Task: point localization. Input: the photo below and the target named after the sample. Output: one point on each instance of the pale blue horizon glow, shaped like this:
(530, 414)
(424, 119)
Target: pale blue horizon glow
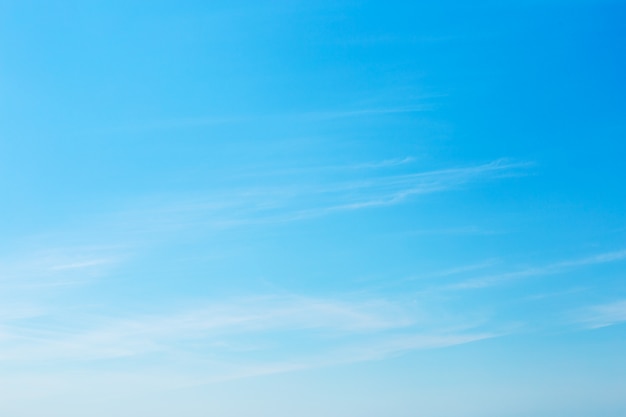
(346, 208)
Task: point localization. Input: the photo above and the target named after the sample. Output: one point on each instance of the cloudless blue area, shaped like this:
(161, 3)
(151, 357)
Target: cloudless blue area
(289, 208)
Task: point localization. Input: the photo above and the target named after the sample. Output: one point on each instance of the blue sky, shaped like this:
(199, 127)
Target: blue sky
(338, 208)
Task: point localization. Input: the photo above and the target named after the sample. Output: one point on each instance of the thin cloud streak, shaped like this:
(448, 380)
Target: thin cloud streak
(302, 201)
(55, 267)
(210, 340)
(603, 315)
(145, 225)
(550, 269)
(296, 198)
(365, 352)
(218, 322)
(338, 114)
(343, 168)
(305, 116)
(216, 329)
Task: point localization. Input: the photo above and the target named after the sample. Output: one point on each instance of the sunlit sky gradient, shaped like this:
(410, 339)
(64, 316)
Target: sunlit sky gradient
(321, 208)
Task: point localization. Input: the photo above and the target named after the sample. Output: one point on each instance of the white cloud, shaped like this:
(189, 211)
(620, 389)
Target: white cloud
(213, 323)
(313, 116)
(37, 268)
(549, 269)
(604, 315)
(300, 201)
(365, 329)
(243, 336)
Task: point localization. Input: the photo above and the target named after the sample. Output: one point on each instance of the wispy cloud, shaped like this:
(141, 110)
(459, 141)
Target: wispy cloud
(142, 334)
(258, 331)
(392, 39)
(291, 197)
(603, 315)
(54, 267)
(457, 231)
(227, 330)
(101, 244)
(338, 114)
(302, 116)
(363, 352)
(297, 201)
(331, 169)
(465, 268)
(548, 269)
